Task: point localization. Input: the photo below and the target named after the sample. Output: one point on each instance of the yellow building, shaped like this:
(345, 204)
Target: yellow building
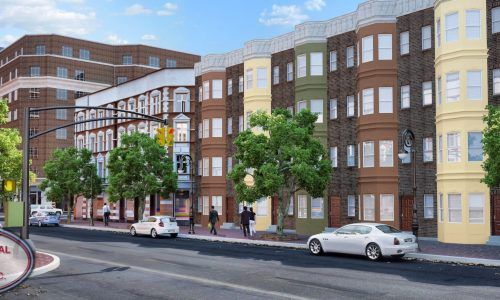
(462, 95)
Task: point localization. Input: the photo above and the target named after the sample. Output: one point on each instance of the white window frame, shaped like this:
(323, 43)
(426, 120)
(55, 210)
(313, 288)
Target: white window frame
(386, 207)
(367, 45)
(316, 63)
(385, 46)
(385, 100)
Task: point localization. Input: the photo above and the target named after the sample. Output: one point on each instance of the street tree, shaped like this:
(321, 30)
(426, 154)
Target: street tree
(491, 147)
(140, 167)
(282, 159)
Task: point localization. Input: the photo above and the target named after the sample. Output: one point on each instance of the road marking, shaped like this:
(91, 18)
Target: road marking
(184, 277)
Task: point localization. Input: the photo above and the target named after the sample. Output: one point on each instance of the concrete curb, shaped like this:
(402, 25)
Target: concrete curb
(50, 267)
(454, 259)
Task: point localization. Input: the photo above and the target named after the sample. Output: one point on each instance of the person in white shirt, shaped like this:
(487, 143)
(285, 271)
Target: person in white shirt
(106, 212)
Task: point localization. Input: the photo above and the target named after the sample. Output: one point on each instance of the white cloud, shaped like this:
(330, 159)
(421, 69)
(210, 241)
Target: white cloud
(149, 37)
(315, 5)
(44, 16)
(115, 40)
(287, 15)
(136, 9)
(7, 40)
(168, 9)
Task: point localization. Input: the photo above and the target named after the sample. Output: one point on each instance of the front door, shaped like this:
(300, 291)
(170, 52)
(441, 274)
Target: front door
(496, 214)
(406, 212)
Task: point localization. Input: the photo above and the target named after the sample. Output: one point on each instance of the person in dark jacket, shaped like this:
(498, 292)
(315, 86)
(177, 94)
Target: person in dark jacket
(245, 220)
(213, 218)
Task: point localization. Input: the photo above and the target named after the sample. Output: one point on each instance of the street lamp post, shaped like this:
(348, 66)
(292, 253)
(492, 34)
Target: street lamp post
(408, 141)
(191, 178)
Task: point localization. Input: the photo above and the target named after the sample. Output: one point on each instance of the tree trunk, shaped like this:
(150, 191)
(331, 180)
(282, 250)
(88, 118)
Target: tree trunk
(140, 209)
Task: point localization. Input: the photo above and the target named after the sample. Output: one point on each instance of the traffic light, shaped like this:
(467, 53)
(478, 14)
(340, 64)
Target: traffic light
(8, 186)
(160, 136)
(170, 136)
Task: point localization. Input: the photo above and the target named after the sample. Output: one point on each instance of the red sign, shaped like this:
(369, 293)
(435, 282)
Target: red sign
(16, 260)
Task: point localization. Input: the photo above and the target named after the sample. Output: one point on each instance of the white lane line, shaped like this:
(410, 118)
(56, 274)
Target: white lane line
(184, 277)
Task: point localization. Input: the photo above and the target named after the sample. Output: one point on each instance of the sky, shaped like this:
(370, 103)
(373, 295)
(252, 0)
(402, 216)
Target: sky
(194, 26)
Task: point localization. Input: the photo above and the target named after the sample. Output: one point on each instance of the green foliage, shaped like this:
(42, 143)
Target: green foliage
(282, 160)
(138, 168)
(491, 147)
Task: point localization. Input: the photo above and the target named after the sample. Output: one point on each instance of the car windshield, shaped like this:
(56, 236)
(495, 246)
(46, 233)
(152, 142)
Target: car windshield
(387, 229)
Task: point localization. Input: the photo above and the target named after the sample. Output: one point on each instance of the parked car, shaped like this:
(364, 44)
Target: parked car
(36, 208)
(156, 226)
(370, 239)
(44, 218)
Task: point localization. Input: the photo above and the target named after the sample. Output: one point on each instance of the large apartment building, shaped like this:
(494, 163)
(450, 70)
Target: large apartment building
(53, 70)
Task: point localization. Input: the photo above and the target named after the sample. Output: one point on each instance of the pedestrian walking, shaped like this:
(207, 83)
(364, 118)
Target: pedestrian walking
(213, 218)
(106, 212)
(252, 222)
(245, 220)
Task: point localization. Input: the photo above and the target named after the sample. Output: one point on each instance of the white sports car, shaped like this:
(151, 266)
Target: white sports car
(370, 239)
(156, 226)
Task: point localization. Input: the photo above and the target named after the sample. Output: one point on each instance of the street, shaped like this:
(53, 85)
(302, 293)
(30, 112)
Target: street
(117, 266)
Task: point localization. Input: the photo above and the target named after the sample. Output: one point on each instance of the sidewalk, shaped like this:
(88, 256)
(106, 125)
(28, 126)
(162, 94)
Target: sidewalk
(430, 250)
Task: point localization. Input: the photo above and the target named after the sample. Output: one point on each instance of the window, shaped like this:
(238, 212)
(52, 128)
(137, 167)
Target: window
(317, 208)
(367, 101)
(61, 134)
(154, 61)
(206, 90)
(262, 205)
(249, 79)
(121, 79)
(200, 130)
(333, 109)
(428, 206)
(405, 96)
(84, 54)
(386, 153)
(206, 166)
(67, 51)
(438, 32)
(217, 89)
(229, 125)
(333, 156)
(473, 24)
(428, 153)
(34, 93)
(127, 59)
(80, 75)
(475, 143)
(453, 144)
(40, 49)
(333, 61)
(455, 208)
(229, 164)
(229, 87)
(217, 127)
(216, 166)
(302, 206)
(385, 46)
(476, 208)
(301, 66)
(350, 106)
(276, 75)
(316, 64)
(452, 87)
(301, 105)
(317, 108)
(386, 207)
(350, 156)
(61, 114)
(350, 56)
(367, 44)
(240, 84)
(206, 128)
(61, 94)
(426, 38)
(240, 124)
(289, 71)
(439, 91)
(206, 205)
(62, 72)
(369, 207)
(261, 78)
(181, 134)
(404, 42)
(451, 27)
(171, 63)
(427, 93)
(474, 85)
(441, 209)
(440, 149)
(34, 71)
(368, 155)
(495, 19)
(351, 205)
(385, 100)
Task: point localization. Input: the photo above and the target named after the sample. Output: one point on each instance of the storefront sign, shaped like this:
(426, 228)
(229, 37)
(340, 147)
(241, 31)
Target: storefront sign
(16, 260)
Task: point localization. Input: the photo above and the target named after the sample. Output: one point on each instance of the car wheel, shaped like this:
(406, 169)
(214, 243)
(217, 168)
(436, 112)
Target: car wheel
(373, 251)
(132, 231)
(154, 234)
(39, 224)
(315, 247)
(174, 235)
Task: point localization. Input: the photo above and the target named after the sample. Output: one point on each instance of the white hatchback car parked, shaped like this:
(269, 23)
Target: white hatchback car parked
(370, 239)
(156, 226)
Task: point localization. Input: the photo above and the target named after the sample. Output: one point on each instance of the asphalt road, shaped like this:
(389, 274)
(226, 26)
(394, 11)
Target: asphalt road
(101, 265)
